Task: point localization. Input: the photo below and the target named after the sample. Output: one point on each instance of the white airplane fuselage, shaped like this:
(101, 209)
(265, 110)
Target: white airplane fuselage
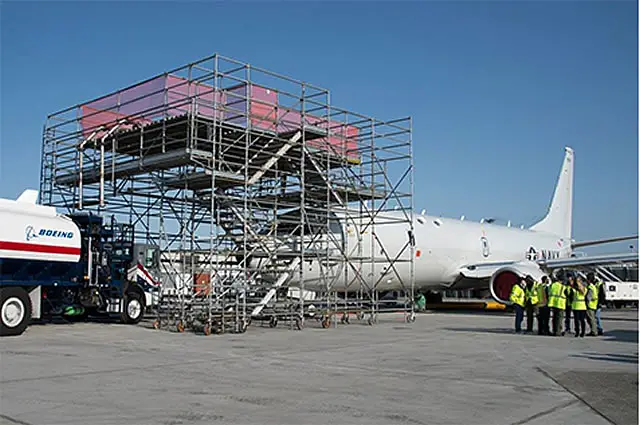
(442, 247)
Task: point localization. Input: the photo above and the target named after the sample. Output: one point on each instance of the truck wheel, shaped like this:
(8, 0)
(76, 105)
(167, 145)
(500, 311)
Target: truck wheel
(15, 311)
(133, 308)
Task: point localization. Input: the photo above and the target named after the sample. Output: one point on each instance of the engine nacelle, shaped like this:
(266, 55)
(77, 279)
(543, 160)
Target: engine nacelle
(503, 279)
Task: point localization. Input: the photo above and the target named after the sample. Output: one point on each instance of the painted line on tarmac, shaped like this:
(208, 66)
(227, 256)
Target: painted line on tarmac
(14, 421)
(547, 412)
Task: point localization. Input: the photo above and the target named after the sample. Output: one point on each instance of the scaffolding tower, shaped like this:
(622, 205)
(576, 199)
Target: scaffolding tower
(257, 198)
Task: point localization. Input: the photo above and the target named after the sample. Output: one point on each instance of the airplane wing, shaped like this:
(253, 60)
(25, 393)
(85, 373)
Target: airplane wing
(486, 270)
(590, 260)
(499, 277)
(602, 241)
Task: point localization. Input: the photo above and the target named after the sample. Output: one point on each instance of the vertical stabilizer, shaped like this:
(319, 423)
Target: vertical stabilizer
(559, 217)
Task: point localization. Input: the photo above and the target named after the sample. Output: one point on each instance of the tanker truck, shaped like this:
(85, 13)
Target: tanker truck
(72, 265)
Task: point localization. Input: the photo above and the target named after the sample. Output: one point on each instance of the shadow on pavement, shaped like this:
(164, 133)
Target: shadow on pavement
(621, 335)
(485, 330)
(620, 358)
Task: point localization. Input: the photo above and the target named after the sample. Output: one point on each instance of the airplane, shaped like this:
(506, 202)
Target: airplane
(453, 253)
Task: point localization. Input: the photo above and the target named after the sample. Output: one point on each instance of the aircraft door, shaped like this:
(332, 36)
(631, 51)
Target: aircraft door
(486, 251)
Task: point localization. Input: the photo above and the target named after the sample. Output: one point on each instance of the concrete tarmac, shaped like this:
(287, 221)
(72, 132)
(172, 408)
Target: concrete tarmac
(443, 369)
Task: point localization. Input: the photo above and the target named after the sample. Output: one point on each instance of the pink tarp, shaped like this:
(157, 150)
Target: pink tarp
(182, 93)
(169, 95)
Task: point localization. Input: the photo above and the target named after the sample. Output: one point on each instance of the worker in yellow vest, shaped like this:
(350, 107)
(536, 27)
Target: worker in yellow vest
(517, 297)
(543, 309)
(569, 283)
(531, 301)
(592, 305)
(579, 306)
(557, 303)
(601, 300)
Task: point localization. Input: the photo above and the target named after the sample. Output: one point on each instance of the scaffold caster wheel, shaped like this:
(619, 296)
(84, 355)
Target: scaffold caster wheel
(243, 326)
(360, 315)
(326, 322)
(411, 317)
(344, 319)
(299, 322)
(273, 322)
(156, 324)
(207, 330)
(371, 320)
(180, 327)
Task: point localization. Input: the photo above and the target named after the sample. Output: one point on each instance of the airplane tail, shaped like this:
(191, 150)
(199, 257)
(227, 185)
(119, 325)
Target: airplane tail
(558, 220)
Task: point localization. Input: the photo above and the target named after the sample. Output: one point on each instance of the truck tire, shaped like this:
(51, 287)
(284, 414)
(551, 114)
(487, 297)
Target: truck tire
(133, 310)
(15, 311)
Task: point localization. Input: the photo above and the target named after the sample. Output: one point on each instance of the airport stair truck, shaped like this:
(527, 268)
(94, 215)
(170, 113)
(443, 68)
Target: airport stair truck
(71, 265)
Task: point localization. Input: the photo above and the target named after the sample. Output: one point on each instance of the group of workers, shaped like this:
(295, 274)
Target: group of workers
(558, 299)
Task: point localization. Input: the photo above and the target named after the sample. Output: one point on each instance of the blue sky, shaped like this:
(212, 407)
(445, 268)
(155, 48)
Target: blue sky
(495, 89)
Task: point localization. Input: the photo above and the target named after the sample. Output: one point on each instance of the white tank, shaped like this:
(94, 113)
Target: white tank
(36, 232)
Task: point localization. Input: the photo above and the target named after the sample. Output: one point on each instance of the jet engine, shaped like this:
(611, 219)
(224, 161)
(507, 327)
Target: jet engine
(503, 279)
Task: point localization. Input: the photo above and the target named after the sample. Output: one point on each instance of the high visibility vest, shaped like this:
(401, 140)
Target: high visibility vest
(578, 302)
(557, 296)
(532, 295)
(517, 295)
(542, 294)
(593, 304)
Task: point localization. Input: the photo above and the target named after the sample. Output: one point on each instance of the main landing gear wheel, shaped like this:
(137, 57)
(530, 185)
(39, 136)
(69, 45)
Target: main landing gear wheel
(15, 311)
(133, 308)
